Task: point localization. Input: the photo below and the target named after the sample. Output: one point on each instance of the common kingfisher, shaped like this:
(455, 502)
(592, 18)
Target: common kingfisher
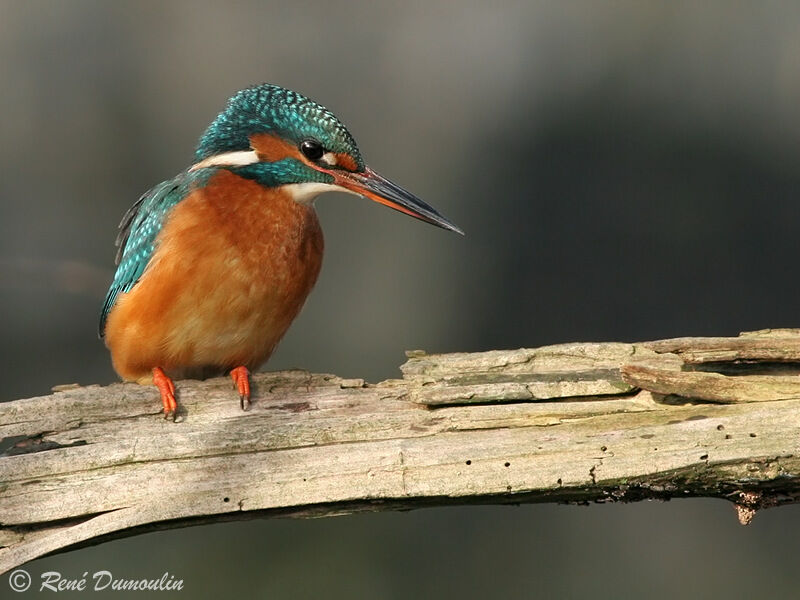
(214, 265)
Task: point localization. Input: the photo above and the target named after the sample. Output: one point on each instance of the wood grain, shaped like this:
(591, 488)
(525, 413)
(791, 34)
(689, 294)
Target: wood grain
(715, 417)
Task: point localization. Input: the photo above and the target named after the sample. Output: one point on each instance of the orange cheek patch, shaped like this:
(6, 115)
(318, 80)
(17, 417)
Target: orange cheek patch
(271, 148)
(345, 161)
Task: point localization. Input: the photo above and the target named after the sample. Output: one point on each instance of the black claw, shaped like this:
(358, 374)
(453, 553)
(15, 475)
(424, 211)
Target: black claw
(244, 402)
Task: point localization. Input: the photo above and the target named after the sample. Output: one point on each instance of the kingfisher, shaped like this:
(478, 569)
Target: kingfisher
(215, 264)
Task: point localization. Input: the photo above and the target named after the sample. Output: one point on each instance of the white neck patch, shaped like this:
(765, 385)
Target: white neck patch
(304, 193)
(240, 158)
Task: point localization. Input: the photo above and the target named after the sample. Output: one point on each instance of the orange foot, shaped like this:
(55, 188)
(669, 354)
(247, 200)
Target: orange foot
(241, 381)
(167, 389)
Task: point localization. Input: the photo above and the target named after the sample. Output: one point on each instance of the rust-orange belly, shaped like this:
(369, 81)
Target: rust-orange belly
(232, 268)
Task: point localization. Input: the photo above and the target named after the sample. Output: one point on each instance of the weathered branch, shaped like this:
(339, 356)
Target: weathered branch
(569, 423)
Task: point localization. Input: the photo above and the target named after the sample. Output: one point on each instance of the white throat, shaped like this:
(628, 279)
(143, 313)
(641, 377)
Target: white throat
(306, 193)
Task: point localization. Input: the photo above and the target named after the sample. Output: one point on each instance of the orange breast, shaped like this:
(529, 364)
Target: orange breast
(233, 266)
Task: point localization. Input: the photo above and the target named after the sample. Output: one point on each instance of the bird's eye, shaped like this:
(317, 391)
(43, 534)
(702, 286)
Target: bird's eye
(312, 149)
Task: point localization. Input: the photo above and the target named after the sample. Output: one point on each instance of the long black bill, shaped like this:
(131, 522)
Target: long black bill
(378, 188)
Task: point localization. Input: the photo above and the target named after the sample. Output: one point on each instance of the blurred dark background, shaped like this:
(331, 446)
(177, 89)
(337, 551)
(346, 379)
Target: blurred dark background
(624, 171)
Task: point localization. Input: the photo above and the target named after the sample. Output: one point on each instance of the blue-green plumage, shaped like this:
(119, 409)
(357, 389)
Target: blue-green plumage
(139, 229)
(281, 173)
(264, 108)
(268, 108)
(242, 296)
(256, 110)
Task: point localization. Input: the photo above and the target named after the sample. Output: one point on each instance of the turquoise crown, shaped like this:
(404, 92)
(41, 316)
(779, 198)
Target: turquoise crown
(268, 108)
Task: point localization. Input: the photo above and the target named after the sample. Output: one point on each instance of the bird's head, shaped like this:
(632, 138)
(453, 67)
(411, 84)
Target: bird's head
(281, 138)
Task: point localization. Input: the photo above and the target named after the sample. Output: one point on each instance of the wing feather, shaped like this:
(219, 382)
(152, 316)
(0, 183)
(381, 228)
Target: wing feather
(137, 237)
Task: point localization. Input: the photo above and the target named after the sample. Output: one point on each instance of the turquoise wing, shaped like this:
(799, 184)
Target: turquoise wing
(138, 232)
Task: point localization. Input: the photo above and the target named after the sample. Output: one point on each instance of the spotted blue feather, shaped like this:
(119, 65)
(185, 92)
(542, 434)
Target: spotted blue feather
(268, 108)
